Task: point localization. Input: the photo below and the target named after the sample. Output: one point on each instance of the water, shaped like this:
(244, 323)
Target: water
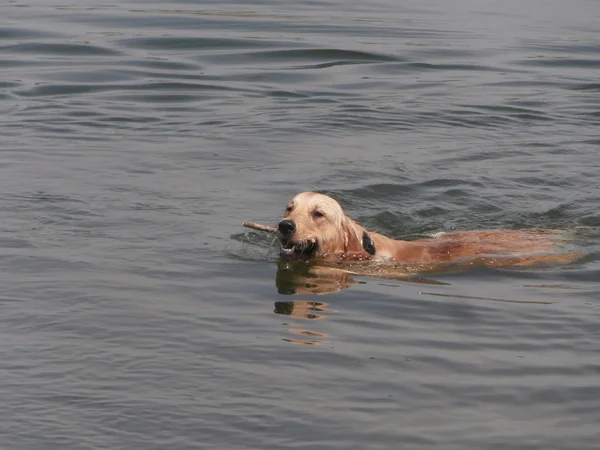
(136, 313)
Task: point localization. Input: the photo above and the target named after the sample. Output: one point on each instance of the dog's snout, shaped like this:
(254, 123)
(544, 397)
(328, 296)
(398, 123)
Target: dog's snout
(287, 226)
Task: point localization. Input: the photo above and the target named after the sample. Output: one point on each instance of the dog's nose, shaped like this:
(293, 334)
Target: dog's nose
(287, 226)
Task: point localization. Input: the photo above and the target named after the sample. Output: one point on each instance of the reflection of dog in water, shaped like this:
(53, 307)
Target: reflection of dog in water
(302, 309)
(316, 227)
(300, 278)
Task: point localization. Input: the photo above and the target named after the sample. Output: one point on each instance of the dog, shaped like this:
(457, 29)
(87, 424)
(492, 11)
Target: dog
(315, 226)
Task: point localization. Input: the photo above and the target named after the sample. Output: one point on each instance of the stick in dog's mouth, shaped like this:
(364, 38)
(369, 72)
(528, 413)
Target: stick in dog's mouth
(259, 227)
(288, 246)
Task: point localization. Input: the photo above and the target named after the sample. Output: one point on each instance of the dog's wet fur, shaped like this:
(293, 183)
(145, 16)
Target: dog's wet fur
(315, 226)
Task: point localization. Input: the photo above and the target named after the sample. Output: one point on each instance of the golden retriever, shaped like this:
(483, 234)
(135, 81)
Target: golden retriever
(315, 226)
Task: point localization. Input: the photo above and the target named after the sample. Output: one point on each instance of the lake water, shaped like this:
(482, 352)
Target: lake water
(136, 136)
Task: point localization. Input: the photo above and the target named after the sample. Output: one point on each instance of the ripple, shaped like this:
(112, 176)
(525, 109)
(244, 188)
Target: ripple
(561, 47)
(41, 48)
(587, 87)
(79, 89)
(327, 57)
(191, 43)
(560, 62)
(13, 33)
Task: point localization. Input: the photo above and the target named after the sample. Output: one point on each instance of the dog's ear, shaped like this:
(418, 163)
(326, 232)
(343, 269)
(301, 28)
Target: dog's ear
(352, 236)
(356, 238)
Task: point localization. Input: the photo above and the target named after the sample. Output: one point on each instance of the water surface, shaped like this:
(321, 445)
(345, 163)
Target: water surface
(136, 313)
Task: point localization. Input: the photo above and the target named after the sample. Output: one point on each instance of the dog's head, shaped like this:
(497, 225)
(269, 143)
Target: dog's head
(315, 225)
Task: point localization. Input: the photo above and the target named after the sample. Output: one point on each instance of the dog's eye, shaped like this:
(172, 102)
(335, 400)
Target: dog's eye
(317, 214)
(289, 208)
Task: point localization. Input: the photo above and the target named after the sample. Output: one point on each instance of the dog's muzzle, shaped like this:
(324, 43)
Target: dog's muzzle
(291, 247)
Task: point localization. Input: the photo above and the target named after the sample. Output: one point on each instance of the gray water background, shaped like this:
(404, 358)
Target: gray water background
(136, 313)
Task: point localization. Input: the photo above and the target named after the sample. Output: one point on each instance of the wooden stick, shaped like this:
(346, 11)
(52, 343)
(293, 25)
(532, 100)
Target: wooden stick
(259, 227)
